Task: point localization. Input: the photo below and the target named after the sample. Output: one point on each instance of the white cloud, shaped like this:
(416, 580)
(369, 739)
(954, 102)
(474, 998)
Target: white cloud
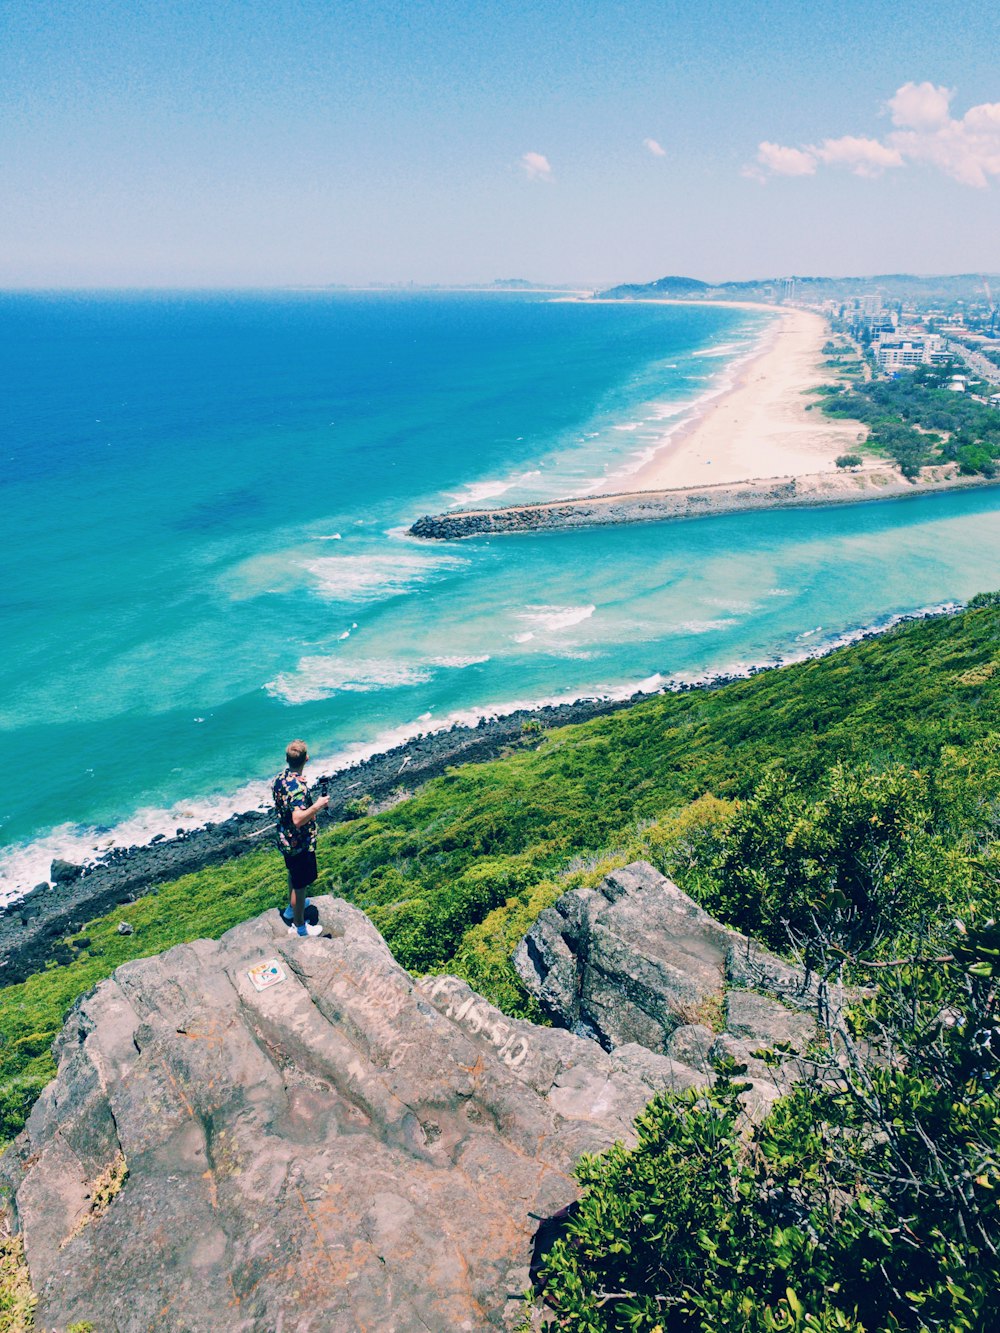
(865, 157)
(536, 166)
(966, 149)
(920, 106)
(786, 161)
(656, 149)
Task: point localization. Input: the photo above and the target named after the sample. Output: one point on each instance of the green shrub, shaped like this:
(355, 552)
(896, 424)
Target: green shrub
(857, 861)
(866, 1201)
(358, 807)
(17, 1300)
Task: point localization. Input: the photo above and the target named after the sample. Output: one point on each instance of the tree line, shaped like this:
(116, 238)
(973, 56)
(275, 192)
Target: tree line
(916, 420)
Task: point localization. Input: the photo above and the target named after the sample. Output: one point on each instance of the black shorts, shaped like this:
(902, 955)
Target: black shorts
(301, 869)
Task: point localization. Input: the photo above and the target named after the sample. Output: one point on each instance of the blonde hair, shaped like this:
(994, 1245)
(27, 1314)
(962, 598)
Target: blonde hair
(296, 755)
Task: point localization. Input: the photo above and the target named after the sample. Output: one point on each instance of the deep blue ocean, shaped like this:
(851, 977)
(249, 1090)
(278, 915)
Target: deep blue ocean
(203, 506)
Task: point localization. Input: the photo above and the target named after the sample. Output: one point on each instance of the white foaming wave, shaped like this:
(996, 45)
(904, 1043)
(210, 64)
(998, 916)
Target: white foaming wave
(477, 491)
(630, 425)
(363, 578)
(722, 349)
(706, 626)
(22, 867)
(682, 413)
(321, 677)
(556, 617)
(332, 537)
(457, 661)
(662, 411)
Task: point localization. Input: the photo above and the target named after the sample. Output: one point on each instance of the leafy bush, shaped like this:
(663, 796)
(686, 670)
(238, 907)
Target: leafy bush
(848, 460)
(866, 1201)
(973, 458)
(910, 449)
(857, 862)
(357, 807)
(17, 1300)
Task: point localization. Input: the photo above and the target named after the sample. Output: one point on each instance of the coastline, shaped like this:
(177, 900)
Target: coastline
(757, 426)
(760, 426)
(32, 927)
(752, 444)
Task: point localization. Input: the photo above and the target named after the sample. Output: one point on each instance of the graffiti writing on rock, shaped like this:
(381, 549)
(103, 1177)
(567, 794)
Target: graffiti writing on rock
(477, 1017)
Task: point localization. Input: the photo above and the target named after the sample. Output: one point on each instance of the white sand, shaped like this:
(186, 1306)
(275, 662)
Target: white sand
(761, 427)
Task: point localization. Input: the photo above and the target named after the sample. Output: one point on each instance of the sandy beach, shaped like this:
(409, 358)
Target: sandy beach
(763, 443)
(759, 428)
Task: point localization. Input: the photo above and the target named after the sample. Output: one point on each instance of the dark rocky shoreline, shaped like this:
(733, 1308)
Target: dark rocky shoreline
(33, 927)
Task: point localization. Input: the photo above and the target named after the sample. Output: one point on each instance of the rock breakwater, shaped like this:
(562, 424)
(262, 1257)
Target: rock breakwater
(823, 488)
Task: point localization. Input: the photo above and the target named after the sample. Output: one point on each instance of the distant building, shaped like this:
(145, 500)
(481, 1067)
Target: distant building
(883, 325)
(893, 353)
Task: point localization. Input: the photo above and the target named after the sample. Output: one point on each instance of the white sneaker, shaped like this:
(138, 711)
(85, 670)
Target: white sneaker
(287, 916)
(306, 931)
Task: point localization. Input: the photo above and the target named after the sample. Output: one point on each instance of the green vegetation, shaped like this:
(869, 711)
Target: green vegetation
(916, 420)
(453, 876)
(358, 807)
(848, 460)
(842, 358)
(845, 808)
(869, 1198)
(17, 1300)
(866, 1201)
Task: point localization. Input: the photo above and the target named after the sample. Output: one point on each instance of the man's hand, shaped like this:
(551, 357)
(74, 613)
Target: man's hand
(300, 817)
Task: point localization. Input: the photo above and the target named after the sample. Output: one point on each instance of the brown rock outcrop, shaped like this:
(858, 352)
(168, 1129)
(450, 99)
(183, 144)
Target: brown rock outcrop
(348, 1148)
(345, 1149)
(636, 960)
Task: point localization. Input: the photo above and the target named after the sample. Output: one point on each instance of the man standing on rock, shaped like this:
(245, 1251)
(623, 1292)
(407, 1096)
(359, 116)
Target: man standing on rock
(297, 813)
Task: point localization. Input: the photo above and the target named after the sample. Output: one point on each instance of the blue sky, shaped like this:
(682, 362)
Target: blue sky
(165, 142)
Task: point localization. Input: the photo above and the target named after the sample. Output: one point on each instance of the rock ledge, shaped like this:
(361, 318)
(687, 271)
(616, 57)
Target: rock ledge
(346, 1147)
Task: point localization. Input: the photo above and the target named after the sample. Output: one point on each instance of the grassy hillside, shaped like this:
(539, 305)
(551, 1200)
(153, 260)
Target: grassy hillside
(453, 876)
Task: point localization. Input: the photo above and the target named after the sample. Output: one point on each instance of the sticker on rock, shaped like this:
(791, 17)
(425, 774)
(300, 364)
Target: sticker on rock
(267, 974)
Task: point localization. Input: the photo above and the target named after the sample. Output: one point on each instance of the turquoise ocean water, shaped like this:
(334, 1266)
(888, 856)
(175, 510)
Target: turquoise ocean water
(204, 499)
